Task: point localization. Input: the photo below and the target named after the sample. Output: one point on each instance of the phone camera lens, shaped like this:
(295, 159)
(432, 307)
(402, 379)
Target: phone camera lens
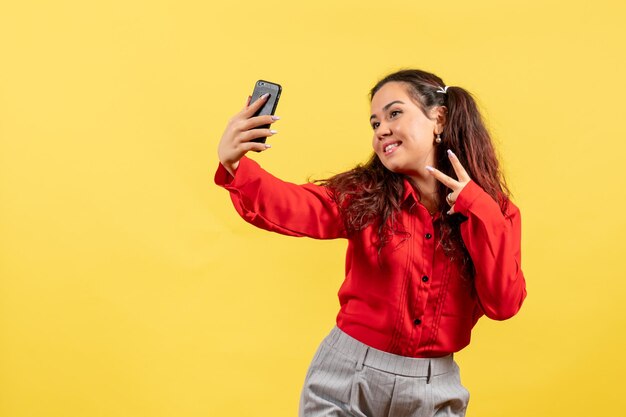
(261, 84)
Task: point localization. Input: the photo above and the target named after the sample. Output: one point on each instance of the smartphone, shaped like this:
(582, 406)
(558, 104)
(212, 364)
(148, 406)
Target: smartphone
(261, 87)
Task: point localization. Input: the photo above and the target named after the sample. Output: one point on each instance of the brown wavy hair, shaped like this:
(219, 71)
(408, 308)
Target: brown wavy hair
(371, 194)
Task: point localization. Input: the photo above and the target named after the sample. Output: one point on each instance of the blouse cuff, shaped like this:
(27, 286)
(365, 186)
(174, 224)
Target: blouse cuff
(468, 195)
(223, 178)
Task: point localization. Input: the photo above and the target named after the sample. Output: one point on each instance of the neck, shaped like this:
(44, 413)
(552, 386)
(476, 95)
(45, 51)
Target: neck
(427, 189)
(425, 185)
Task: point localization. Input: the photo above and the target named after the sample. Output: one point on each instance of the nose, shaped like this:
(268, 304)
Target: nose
(383, 131)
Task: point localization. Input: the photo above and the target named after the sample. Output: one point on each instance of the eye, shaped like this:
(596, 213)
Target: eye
(394, 113)
(375, 125)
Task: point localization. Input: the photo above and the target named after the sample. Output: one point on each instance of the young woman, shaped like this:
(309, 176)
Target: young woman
(434, 244)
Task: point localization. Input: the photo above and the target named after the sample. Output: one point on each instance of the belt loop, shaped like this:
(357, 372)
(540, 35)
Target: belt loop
(429, 373)
(361, 358)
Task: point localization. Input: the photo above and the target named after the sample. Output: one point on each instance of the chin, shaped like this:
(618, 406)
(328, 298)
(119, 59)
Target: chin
(399, 168)
(392, 166)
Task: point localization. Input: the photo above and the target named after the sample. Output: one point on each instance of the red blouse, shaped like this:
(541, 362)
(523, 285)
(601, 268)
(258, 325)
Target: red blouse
(413, 300)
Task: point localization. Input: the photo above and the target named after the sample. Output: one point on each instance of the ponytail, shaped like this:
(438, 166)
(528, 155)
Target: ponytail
(465, 133)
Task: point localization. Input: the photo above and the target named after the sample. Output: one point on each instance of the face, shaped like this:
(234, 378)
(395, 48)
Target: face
(403, 134)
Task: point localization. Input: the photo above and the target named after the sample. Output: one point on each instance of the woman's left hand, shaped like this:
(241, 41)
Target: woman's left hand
(455, 185)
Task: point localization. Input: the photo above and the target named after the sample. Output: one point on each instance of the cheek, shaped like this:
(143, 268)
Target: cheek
(414, 133)
(425, 128)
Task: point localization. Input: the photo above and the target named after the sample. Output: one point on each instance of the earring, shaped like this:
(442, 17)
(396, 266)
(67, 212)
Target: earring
(438, 138)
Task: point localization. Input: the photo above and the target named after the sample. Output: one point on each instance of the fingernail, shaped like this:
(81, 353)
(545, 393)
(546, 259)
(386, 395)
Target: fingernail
(267, 145)
(273, 132)
(275, 118)
(451, 153)
(429, 168)
(265, 95)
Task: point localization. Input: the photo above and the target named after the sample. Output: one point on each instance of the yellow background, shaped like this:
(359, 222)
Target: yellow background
(129, 286)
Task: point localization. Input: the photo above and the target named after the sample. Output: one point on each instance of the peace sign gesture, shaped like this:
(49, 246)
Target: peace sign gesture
(455, 185)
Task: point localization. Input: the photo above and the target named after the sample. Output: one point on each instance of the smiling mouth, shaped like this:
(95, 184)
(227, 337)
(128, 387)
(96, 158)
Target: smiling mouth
(391, 147)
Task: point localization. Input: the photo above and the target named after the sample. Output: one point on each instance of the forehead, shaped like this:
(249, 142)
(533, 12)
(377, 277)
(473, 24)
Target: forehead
(388, 93)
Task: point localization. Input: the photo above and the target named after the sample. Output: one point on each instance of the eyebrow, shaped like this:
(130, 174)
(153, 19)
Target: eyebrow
(387, 107)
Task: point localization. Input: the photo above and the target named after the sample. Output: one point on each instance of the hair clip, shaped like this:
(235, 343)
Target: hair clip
(442, 90)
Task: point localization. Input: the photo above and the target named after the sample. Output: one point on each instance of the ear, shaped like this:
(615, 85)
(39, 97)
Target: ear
(439, 115)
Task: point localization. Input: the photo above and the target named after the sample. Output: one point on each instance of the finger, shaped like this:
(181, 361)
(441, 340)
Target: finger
(251, 134)
(255, 146)
(257, 121)
(451, 211)
(256, 105)
(451, 198)
(443, 178)
(461, 173)
(248, 101)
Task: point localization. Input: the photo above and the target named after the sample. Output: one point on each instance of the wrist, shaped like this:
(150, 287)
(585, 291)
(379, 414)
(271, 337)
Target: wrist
(231, 167)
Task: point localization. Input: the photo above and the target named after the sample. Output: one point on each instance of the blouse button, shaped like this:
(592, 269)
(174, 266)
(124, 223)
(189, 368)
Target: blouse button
(428, 236)
(425, 278)
(417, 322)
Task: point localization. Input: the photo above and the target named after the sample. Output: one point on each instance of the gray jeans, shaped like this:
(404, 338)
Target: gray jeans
(349, 378)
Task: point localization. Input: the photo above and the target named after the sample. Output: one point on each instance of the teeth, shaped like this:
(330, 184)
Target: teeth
(391, 146)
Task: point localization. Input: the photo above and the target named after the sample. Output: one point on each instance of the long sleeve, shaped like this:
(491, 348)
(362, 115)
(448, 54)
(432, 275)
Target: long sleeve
(279, 206)
(494, 244)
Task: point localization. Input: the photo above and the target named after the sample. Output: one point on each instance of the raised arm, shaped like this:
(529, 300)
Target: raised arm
(493, 241)
(264, 200)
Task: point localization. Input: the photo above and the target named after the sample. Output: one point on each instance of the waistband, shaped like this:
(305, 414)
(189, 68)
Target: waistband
(364, 355)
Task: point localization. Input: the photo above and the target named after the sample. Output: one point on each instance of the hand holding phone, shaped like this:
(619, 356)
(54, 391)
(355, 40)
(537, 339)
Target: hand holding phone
(249, 128)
